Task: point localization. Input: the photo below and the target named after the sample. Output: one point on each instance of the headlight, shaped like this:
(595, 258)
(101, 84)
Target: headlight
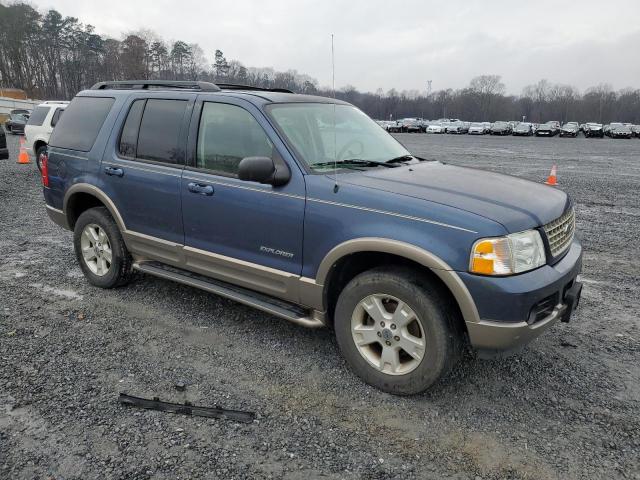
(515, 253)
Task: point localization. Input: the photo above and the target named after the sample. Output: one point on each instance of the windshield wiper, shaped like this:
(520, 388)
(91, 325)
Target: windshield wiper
(401, 158)
(355, 161)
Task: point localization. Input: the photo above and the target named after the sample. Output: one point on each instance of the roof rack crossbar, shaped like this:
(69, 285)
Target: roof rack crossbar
(235, 86)
(148, 84)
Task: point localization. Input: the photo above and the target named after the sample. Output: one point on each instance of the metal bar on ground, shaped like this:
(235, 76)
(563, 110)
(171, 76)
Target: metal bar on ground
(187, 408)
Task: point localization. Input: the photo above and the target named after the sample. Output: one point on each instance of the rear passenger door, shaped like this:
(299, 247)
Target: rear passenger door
(141, 173)
(240, 231)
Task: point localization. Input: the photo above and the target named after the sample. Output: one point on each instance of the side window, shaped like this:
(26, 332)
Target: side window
(129, 135)
(37, 116)
(56, 116)
(226, 135)
(159, 136)
(81, 123)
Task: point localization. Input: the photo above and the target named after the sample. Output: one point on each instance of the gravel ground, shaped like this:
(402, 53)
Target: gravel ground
(567, 407)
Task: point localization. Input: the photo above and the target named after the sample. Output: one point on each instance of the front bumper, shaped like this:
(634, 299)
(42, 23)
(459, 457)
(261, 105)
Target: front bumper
(4, 153)
(506, 305)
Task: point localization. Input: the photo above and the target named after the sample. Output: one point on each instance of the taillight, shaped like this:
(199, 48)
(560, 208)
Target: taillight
(44, 169)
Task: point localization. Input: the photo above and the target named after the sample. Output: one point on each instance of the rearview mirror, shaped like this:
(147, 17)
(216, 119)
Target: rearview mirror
(263, 170)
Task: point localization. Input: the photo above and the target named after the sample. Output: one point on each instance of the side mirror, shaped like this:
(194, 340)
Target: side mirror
(263, 170)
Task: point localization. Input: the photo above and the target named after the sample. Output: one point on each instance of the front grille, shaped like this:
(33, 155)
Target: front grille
(560, 232)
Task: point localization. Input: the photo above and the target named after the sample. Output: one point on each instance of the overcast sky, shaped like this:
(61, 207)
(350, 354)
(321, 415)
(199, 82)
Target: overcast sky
(390, 44)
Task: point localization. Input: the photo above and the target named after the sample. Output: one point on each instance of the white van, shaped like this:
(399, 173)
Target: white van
(39, 127)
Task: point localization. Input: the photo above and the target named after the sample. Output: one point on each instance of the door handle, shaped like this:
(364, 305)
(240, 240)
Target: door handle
(200, 188)
(118, 172)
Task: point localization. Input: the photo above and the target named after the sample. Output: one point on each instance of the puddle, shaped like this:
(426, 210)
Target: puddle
(70, 294)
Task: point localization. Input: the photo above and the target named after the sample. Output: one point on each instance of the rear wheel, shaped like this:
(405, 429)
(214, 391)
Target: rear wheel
(100, 249)
(396, 330)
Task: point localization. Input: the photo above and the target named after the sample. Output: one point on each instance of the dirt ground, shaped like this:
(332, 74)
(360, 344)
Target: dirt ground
(567, 407)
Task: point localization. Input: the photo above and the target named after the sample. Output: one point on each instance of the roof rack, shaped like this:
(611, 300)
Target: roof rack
(159, 84)
(235, 86)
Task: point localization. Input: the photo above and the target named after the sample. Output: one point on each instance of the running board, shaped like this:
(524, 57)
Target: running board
(260, 301)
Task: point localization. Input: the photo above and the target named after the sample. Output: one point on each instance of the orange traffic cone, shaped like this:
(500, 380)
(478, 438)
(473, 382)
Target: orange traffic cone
(553, 179)
(23, 157)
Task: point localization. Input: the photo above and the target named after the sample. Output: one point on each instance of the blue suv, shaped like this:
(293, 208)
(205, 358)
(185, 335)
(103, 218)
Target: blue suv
(303, 207)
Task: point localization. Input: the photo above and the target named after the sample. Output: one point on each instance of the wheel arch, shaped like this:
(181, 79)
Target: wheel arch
(352, 257)
(81, 197)
(37, 144)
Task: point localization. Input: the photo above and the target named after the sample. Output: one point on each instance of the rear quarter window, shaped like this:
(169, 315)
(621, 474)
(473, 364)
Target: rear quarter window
(78, 128)
(38, 115)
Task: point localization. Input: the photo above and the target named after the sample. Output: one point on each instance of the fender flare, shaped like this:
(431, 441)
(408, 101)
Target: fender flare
(411, 252)
(100, 195)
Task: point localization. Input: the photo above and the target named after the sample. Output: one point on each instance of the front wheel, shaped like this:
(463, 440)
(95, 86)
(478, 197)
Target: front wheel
(396, 330)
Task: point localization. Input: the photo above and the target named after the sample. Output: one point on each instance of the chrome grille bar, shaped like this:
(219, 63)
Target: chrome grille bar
(560, 232)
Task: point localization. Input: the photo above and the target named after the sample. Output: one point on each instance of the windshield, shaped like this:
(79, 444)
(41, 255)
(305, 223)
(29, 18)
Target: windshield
(309, 127)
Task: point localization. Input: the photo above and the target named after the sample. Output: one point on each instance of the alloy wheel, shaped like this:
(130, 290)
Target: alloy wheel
(96, 249)
(388, 334)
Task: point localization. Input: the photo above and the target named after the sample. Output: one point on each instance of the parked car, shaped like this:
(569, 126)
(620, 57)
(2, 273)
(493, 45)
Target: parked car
(477, 129)
(620, 131)
(368, 242)
(20, 111)
(39, 128)
(523, 129)
(411, 125)
(501, 128)
(636, 131)
(458, 127)
(4, 151)
(592, 129)
(555, 125)
(435, 128)
(15, 123)
(394, 127)
(609, 128)
(548, 129)
(570, 129)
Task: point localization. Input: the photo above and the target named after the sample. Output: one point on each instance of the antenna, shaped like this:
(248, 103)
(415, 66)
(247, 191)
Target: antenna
(335, 148)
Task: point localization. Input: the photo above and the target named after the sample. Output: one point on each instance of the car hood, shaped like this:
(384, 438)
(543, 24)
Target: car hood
(515, 203)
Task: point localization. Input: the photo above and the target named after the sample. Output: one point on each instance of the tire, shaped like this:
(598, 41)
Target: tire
(41, 151)
(119, 270)
(434, 328)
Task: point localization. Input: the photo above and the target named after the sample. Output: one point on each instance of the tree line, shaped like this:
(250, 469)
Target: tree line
(51, 56)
